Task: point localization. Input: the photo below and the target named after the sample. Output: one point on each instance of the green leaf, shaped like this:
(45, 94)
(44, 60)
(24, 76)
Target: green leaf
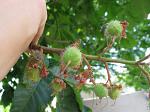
(66, 101)
(32, 99)
(69, 100)
(78, 98)
(80, 101)
(7, 95)
(128, 43)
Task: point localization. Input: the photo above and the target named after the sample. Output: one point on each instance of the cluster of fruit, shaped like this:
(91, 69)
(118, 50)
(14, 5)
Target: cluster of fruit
(72, 58)
(103, 90)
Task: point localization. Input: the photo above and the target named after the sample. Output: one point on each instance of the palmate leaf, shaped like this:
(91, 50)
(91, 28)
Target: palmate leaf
(32, 99)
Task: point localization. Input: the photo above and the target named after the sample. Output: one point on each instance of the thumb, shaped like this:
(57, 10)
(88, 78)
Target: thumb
(41, 26)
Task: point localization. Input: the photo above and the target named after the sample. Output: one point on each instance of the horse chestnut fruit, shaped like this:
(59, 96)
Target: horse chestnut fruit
(114, 93)
(100, 90)
(113, 29)
(72, 55)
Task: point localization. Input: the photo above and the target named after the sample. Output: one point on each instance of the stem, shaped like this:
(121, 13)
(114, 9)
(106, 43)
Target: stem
(108, 46)
(64, 69)
(86, 61)
(47, 49)
(90, 69)
(108, 74)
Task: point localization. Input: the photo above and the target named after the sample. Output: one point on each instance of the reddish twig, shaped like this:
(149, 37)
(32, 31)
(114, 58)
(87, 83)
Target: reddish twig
(86, 61)
(64, 68)
(108, 74)
(90, 74)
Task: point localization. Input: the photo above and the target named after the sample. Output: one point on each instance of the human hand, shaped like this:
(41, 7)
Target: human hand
(21, 22)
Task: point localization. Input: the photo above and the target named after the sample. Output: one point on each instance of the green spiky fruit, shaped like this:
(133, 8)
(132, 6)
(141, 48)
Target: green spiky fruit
(31, 75)
(113, 28)
(72, 55)
(114, 93)
(100, 90)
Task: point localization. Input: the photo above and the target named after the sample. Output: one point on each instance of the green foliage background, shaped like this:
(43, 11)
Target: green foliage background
(69, 20)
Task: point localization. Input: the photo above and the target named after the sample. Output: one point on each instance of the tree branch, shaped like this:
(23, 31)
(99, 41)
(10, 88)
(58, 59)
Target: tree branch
(99, 58)
(108, 46)
(146, 74)
(89, 57)
(47, 49)
(143, 59)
